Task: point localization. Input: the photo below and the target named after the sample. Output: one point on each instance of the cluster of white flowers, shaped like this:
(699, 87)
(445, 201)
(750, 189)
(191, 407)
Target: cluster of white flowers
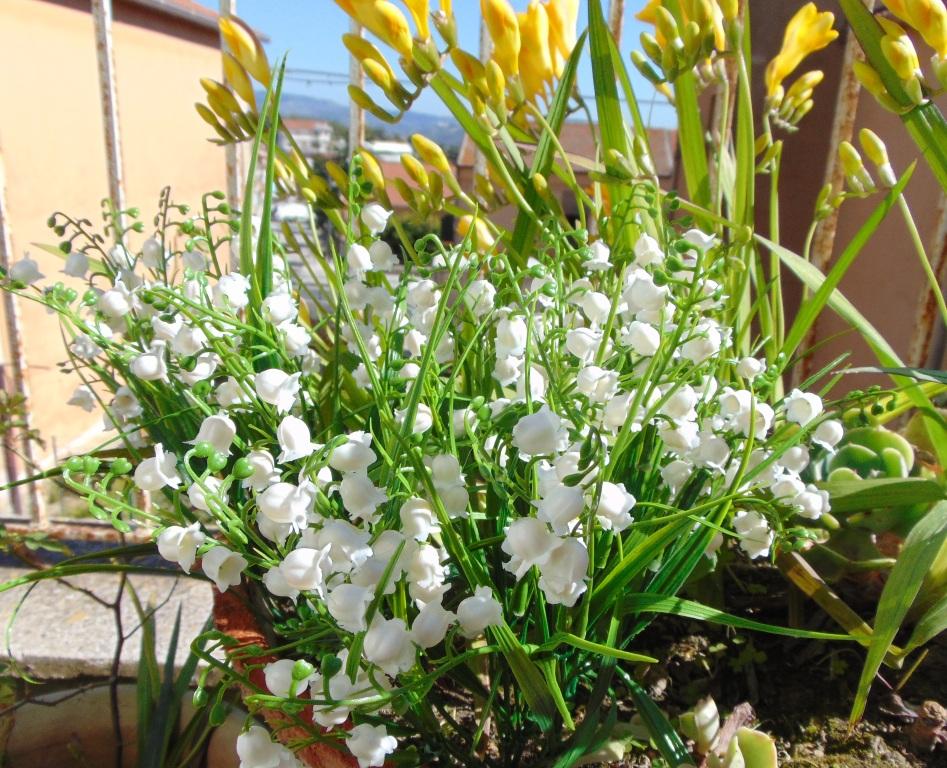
(565, 369)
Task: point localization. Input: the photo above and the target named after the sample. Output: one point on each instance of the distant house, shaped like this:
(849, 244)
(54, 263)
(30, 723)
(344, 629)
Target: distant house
(313, 136)
(578, 140)
(388, 151)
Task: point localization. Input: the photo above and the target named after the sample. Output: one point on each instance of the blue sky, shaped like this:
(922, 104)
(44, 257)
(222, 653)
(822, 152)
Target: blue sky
(310, 31)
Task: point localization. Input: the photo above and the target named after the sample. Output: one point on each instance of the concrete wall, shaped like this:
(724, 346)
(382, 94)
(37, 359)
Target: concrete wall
(52, 144)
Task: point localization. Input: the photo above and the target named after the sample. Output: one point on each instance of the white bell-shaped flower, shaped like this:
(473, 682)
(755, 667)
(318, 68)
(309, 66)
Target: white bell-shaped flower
(369, 744)
(158, 472)
(511, 337)
(294, 440)
(348, 544)
(561, 507)
(614, 506)
(151, 365)
(256, 750)
(355, 455)
(562, 578)
(223, 567)
(704, 344)
(583, 343)
(77, 264)
(431, 624)
(25, 271)
(598, 259)
(306, 569)
(358, 259)
(812, 503)
(279, 679)
(218, 430)
(264, 471)
(347, 604)
(189, 340)
(750, 367)
(828, 434)
(383, 258)
(286, 503)
(756, 538)
(279, 308)
(360, 496)
(479, 611)
(375, 218)
(84, 398)
(179, 545)
(276, 584)
(202, 494)
(648, 251)
(277, 388)
(423, 419)
(538, 434)
(643, 338)
(417, 519)
(596, 306)
(802, 407)
(388, 645)
(528, 542)
(231, 292)
(480, 297)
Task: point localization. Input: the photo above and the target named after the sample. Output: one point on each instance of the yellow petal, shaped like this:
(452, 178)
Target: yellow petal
(504, 31)
(420, 11)
(535, 60)
(809, 30)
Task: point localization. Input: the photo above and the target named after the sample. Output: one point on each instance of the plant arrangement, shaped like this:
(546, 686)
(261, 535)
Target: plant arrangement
(454, 481)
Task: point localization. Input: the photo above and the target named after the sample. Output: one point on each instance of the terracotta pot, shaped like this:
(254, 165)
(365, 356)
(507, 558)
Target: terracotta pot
(233, 616)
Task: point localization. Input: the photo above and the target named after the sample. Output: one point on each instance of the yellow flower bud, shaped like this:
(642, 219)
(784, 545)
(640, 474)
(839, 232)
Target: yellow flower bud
(372, 173)
(246, 48)
(929, 17)
(431, 153)
(415, 170)
(383, 19)
(873, 146)
(729, 8)
(504, 31)
(220, 98)
(899, 50)
(420, 11)
(857, 177)
(804, 85)
(808, 31)
(470, 68)
(365, 101)
(364, 50)
(535, 60)
(339, 176)
(482, 239)
(211, 119)
(239, 80)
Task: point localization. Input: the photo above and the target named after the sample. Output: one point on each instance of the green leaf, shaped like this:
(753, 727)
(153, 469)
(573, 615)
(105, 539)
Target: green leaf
(921, 548)
(875, 493)
(691, 132)
(525, 228)
(812, 308)
(531, 680)
(931, 624)
(665, 737)
(675, 606)
(813, 279)
(758, 748)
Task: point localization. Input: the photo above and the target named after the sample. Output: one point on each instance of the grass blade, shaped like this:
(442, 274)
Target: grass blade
(921, 548)
(856, 495)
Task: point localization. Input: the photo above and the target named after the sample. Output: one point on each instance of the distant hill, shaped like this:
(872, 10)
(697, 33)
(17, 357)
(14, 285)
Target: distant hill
(444, 130)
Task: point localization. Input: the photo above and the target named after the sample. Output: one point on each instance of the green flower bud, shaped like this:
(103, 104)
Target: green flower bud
(74, 464)
(216, 461)
(120, 467)
(242, 469)
(203, 449)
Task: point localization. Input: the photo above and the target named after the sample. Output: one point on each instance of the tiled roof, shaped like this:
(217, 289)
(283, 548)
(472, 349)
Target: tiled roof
(187, 10)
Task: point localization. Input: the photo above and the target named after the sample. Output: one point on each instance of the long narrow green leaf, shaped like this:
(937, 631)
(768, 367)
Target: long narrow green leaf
(813, 279)
(931, 624)
(264, 259)
(921, 548)
(676, 606)
(691, 139)
(524, 229)
(810, 310)
(665, 737)
(879, 492)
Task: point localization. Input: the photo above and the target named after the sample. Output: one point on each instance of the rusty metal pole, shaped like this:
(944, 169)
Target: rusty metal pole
(843, 128)
(102, 17)
(19, 375)
(616, 19)
(231, 151)
(927, 320)
(356, 113)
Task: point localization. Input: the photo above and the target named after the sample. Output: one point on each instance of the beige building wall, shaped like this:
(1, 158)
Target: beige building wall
(52, 144)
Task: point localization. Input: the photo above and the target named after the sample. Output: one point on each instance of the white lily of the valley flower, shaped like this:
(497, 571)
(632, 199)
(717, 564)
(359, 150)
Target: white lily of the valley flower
(223, 567)
(358, 259)
(264, 471)
(700, 239)
(152, 254)
(286, 503)
(614, 505)
(77, 264)
(562, 578)
(388, 645)
(229, 394)
(275, 583)
(355, 455)
(194, 260)
(583, 343)
(279, 308)
(369, 744)
(479, 611)
(648, 251)
(231, 292)
(256, 750)
(423, 418)
(828, 434)
(755, 535)
(561, 507)
(306, 569)
(528, 542)
(158, 472)
(348, 544)
(279, 679)
(179, 545)
(294, 440)
(277, 388)
(360, 496)
(417, 519)
(218, 430)
(150, 366)
(383, 258)
(84, 398)
(480, 297)
(598, 259)
(511, 337)
(704, 344)
(750, 367)
(114, 303)
(431, 624)
(25, 271)
(197, 493)
(347, 604)
(538, 434)
(166, 330)
(812, 503)
(375, 218)
(802, 407)
(643, 338)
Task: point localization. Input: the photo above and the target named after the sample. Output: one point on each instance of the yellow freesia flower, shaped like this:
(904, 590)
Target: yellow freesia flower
(808, 31)
(420, 11)
(707, 13)
(563, 17)
(899, 50)
(504, 31)
(929, 17)
(246, 48)
(383, 19)
(535, 59)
